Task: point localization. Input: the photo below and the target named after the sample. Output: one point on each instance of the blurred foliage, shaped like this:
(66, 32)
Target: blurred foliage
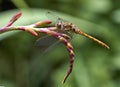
(24, 65)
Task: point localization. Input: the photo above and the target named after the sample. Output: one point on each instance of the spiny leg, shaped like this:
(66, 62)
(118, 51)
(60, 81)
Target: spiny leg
(92, 38)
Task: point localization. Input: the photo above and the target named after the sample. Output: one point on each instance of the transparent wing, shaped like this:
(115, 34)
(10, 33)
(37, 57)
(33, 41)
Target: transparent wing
(52, 17)
(46, 43)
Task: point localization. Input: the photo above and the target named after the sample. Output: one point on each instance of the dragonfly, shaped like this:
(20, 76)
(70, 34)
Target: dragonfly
(67, 28)
(49, 41)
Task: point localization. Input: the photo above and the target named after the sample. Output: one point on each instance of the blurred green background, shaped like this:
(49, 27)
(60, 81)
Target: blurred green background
(22, 64)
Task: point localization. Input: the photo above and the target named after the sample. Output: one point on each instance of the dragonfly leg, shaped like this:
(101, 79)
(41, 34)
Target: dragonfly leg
(65, 36)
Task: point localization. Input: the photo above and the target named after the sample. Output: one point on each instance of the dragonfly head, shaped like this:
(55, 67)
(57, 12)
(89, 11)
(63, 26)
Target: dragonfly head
(64, 27)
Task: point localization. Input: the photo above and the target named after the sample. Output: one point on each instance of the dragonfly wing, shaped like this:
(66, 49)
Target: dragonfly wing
(52, 17)
(51, 47)
(46, 43)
